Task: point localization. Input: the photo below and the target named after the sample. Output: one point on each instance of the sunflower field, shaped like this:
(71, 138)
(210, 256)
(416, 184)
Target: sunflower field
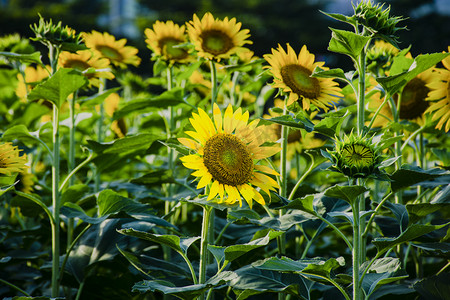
(224, 175)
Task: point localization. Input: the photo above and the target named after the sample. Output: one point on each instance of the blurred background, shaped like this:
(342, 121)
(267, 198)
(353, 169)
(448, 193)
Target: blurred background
(270, 22)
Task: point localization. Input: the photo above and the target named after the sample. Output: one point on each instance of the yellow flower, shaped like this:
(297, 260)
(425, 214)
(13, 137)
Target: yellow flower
(227, 151)
(292, 75)
(10, 159)
(84, 60)
(440, 90)
(26, 182)
(111, 105)
(116, 51)
(217, 39)
(162, 39)
(32, 76)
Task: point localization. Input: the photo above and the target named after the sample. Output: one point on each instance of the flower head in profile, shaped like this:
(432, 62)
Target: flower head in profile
(440, 90)
(33, 76)
(10, 159)
(165, 39)
(108, 47)
(227, 150)
(380, 56)
(356, 156)
(217, 39)
(292, 74)
(93, 67)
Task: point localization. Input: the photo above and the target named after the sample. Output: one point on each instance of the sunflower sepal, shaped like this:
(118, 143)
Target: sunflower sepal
(357, 156)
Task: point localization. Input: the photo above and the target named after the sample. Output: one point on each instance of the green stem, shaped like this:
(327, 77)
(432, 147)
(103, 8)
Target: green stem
(299, 182)
(55, 203)
(212, 65)
(74, 171)
(366, 231)
(361, 92)
(204, 245)
(100, 136)
(191, 267)
(356, 251)
(71, 160)
(234, 81)
(14, 287)
(386, 98)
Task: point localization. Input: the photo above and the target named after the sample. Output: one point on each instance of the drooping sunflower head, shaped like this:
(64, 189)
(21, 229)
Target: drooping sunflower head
(10, 160)
(165, 40)
(292, 74)
(15, 43)
(355, 156)
(377, 21)
(440, 91)
(226, 156)
(55, 34)
(217, 39)
(33, 76)
(106, 45)
(92, 66)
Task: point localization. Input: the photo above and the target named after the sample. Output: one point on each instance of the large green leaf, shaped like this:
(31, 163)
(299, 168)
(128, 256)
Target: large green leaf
(234, 251)
(21, 133)
(166, 99)
(97, 98)
(347, 193)
(74, 193)
(408, 176)
(34, 57)
(393, 84)
(251, 281)
(304, 204)
(173, 241)
(414, 231)
(400, 212)
(422, 210)
(110, 202)
(434, 287)
(281, 223)
(290, 121)
(435, 249)
(72, 210)
(330, 126)
(57, 88)
(347, 42)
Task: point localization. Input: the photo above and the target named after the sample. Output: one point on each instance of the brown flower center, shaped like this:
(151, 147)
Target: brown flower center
(298, 79)
(228, 159)
(216, 42)
(413, 103)
(167, 48)
(110, 53)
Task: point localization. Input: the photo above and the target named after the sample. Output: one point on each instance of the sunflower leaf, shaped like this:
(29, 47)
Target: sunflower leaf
(347, 42)
(393, 84)
(58, 87)
(408, 176)
(34, 57)
(290, 121)
(332, 73)
(414, 231)
(347, 193)
(97, 98)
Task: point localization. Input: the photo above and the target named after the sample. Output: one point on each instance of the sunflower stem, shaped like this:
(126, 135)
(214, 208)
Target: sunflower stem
(100, 136)
(204, 245)
(356, 255)
(212, 65)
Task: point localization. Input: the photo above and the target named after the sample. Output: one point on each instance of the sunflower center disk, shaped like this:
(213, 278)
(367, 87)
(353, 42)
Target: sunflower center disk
(228, 159)
(77, 64)
(356, 155)
(110, 53)
(413, 102)
(216, 42)
(297, 78)
(167, 46)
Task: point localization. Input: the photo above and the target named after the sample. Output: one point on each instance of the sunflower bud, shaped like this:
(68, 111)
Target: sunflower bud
(377, 21)
(57, 35)
(355, 157)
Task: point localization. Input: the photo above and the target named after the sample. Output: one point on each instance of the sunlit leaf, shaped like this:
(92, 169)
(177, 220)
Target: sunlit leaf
(347, 42)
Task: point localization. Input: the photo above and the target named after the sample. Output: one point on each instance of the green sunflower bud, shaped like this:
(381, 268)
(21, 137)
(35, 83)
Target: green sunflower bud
(64, 37)
(376, 20)
(356, 157)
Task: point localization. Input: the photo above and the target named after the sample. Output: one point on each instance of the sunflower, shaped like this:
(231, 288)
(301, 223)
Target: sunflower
(164, 38)
(217, 39)
(116, 51)
(380, 56)
(112, 105)
(440, 90)
(227, 151)
(292, 74)
(32, 76)
(10, 159)
(84, 60)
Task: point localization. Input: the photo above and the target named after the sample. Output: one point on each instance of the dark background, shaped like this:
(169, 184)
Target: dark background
(270, 22)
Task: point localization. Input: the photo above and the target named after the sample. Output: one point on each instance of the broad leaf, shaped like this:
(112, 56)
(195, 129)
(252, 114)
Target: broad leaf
(346, 193)
(408, 176)
(393, 84)
(383, 244)
(290, 121)
(110, 202)
(34, 57)
(435, 249)
(400, 212)
(72, 210)
(330, 126)
(347, 42)
(97, 98)
(422, 210)
(173, 241)
(434, 287)
(21, 133)
(57, 88)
